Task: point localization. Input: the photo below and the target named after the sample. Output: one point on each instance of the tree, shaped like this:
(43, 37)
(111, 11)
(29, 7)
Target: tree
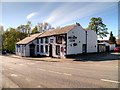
(25, 28)
(1, 32)
(22, 28)
(28, 27)
(10, 37)
(98, 26)
(35, 30)
(112, 38)
(44, 26)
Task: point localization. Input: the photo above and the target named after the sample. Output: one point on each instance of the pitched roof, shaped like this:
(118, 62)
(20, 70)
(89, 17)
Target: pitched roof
(58, 31)
(100, 41)
(29, 39)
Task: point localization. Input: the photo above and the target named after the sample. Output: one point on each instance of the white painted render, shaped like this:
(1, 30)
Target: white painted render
(80, 34)
(112, 46)
(91, 41)
(68, 48)
(25, 48)
(53, 47)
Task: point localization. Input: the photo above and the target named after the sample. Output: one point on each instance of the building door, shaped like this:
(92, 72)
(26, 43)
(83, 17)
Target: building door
(32, 50)
(84, 50)
(50, 50)
(107, 48)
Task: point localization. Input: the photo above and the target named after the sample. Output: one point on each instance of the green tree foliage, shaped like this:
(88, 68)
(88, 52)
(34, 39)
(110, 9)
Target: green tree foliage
(25, 28)
(1, 31)
(10, 37)
(35, 30)
(22, 28)
(98, 26)
(44, 26)
(112, 38)
(28, 27)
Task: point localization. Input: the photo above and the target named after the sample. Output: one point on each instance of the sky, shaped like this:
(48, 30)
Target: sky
(59, 13)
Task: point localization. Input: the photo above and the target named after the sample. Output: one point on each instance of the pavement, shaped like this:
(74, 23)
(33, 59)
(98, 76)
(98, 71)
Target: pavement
(23, 73)
(82, 57)
(47, 59)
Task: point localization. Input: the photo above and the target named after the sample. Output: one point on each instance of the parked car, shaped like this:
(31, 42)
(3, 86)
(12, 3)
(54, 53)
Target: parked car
(117, 49)
(4, 52)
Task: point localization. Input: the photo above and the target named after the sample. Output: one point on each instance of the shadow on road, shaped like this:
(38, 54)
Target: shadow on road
(96, 57)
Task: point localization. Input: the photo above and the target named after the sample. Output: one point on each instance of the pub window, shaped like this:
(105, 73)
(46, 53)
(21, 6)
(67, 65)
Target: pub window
(37, 41)
(22, 49)
(59, 39)
(57, 50)
(46, 40)
(51, 40)
(37, 48)
(41, 40)
(18, 47)
(41, 48)
(46, 48)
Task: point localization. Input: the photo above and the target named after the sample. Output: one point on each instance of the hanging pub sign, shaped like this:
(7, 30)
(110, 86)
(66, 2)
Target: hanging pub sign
(72, 38)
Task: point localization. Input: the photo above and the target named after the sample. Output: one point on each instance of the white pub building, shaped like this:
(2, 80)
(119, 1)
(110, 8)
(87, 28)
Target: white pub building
(59, 42)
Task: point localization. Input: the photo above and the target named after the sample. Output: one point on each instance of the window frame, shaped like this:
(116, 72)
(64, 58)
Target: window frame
(46, 40)
(59, 37)
(41, 40)
(41, 48)
(57, 49)
(46, 48)
(37, 41)
(38, 48)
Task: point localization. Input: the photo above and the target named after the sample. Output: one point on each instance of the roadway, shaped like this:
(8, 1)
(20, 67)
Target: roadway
(21, 73)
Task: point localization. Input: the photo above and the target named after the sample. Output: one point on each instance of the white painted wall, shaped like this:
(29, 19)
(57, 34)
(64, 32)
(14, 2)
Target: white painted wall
(91, 41)
(112, 46)
(81, 39)
(106, 44)
(80, 34)
(53, 47)
(26, 49)
(44, 53)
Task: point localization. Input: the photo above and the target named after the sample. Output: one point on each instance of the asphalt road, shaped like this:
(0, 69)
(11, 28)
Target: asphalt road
(20, 73)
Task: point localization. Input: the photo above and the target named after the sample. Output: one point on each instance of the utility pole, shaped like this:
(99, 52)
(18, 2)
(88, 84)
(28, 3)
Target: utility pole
(86, 41)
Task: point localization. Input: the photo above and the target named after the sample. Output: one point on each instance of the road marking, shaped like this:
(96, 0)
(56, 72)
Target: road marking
(42, 69)
(117, 66)
(38, 86)
(67, 63)
(61, 73)
(30, 63)
(20, 64)
(13, 75)
(67, 74)
(11, 68)
(55, 72)
(110, 81)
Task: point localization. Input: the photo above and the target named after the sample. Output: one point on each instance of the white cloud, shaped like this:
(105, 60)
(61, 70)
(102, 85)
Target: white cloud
(67, 12)
(31, 15)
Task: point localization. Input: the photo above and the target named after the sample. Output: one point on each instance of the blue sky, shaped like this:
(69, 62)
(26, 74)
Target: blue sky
(60, 13)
